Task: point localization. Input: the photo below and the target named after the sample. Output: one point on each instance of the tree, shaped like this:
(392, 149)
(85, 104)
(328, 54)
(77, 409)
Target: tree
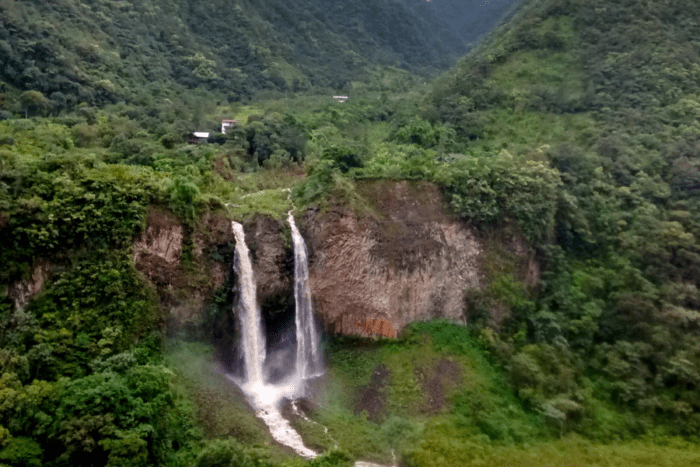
(34, 102)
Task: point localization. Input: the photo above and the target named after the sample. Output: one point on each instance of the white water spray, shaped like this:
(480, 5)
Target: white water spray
(308, 359)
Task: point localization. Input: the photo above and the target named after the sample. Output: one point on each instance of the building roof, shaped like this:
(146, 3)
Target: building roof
(201, 134)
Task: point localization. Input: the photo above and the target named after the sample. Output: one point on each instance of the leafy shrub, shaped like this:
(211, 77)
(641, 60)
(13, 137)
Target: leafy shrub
(427, 135)
(22, 451)
(343, 157)
(493, 189)
(227, 453)
(63, 203)
(94, 308)
(184, 196)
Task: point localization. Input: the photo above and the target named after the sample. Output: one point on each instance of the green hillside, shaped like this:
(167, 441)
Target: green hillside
(468, 19)
(603, 92)
(573, 125)
(105, 51)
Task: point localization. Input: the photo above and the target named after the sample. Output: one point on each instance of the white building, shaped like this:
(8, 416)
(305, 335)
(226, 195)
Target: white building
(227, 123)
(199, 137)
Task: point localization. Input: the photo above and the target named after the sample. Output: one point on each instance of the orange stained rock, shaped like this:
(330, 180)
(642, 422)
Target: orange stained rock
(375, 327)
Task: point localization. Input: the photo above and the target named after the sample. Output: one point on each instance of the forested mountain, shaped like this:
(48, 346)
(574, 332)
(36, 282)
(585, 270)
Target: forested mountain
(102, 51)
(607, 93)
(570, 132)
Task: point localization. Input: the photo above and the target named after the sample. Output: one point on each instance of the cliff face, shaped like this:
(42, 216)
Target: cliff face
(273, 264)
(158, 250)
(406, 259)
(184, 288)
(410, 261)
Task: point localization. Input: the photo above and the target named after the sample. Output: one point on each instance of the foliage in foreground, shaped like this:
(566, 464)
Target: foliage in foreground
(481, 423)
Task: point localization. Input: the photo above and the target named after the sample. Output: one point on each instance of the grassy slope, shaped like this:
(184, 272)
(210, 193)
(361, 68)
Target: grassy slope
(480, 422)
(434, 382)
(220, 408)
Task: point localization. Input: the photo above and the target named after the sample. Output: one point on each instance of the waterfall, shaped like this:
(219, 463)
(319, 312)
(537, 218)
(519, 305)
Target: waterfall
(308, 361)
(248, 311)
(266, 398)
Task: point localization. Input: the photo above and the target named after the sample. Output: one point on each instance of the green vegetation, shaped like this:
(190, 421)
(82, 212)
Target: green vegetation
(434, 399)
(393, 395)
(572, 126)
(59, 54)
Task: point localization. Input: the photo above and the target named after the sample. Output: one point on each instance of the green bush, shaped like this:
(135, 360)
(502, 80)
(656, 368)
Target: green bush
(503, 188)
(228, 453)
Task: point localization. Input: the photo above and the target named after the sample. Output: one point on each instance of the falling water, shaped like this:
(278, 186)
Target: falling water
(248, 311)
(308, 361)
(266, 398)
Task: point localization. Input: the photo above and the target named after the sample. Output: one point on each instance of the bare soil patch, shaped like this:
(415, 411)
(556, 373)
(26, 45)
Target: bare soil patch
(372, 397)
(437, 382)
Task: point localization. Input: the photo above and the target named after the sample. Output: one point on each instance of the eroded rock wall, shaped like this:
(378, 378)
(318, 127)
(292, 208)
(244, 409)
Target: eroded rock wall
(184, 290)
(273, 262)
(409, 261)
(404, 259)
(158, 249)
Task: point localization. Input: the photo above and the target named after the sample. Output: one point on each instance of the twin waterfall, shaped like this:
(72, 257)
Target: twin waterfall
(266, 397)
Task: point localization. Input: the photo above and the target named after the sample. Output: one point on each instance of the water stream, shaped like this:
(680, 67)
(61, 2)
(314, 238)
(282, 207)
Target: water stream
(253, 338)
(265, 398)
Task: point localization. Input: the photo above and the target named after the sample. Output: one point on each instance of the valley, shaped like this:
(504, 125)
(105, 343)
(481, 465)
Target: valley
(488, 260)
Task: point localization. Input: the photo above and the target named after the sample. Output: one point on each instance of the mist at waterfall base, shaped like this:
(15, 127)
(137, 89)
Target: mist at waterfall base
(264, 380)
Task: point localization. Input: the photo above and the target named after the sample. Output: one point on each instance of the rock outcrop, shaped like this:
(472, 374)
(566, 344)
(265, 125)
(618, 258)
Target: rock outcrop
(20, 292)
(410, 261)
(273, 262)
(184, 292)
(158, 250)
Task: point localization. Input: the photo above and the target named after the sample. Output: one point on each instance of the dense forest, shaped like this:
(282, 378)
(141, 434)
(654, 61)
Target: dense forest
(101, 52)
(573, 124)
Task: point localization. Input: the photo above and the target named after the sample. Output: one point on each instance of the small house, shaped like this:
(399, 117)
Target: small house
(227, 123)
(199, 137)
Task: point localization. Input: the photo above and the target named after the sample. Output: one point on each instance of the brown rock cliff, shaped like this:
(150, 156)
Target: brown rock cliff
(405, 259)
(373, 275)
